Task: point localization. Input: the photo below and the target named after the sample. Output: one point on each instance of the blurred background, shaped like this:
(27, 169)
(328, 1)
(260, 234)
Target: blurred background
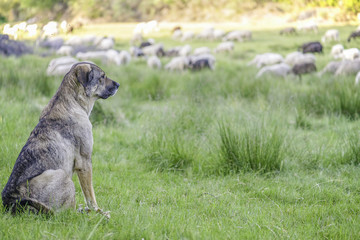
(244, 11)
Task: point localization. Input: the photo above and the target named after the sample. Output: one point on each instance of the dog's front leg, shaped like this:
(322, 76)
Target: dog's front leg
(85, 179)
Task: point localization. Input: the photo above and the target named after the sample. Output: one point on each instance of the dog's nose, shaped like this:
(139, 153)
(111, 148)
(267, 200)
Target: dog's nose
(117, 85)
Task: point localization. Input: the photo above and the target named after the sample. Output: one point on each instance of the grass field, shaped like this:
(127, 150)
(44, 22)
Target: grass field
(202, 155)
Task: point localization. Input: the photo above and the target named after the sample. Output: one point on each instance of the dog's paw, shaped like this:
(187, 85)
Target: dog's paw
(83, 210)
(106, 214)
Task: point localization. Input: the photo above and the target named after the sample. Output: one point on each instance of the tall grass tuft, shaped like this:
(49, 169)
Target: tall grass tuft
(254, 148)
(353, 152)
(168, 151)
(339, 98)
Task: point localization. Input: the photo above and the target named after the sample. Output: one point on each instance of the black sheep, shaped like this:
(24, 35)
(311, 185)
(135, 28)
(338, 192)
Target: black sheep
(303, 68)
(200, 64)
(354, 35)
(11, 47)
(311, 47)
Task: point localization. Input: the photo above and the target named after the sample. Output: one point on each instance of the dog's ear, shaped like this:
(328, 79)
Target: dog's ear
(82, 72)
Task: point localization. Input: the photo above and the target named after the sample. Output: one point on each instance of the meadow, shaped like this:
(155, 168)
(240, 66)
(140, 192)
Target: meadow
(202, 155)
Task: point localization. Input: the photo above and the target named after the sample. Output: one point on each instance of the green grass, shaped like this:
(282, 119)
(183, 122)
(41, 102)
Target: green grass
(202, 155)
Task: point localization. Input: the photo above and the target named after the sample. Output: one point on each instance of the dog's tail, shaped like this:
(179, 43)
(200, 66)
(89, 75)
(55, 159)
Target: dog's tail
(28, 204)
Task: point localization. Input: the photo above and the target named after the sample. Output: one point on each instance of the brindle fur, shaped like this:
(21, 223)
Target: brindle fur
(60, 145)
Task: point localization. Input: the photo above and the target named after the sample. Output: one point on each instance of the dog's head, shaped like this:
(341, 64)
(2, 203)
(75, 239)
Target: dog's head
(94, 80)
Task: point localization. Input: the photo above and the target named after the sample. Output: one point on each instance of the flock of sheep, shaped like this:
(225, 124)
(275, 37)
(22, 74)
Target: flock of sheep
(91, 47)
(180, 58)
(346, 61)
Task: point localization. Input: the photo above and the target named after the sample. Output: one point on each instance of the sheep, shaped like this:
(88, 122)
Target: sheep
(177, 34)
(281, 69)
(298, 57)
(353, 35)
(137, 37)
(123, 58)
(50, 29)
(351, 53)
(12, 47)
(101, 55)
(136, 52)
(53, 43)
(331, 35)
(218, 34)
(65, 50)
(357, 78)
(266, 59)
(176, 28)
(239, 36)
(288, 31)
(187, 36)
(309, 26)
(85, 40)
(173, 52)
(311, 47)
(201, 64)
(149, 42)
(348, 67)
(178, 64)
(154, 62)
(65, 27)
(32, 30)
(202, 50)
(185, 50)
(302, 68)
(331, 67)
(224, 47)
(60, 66)
(105, 43)
(156, 49)
(207, 33)
(337, 50)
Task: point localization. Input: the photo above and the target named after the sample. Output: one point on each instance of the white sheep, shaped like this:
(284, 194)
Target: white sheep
(218, 34)
(137, 37)
(337, 50)
(124, 58)
(331, 67)
(348, 67)
(177, 34)
(224, 47)
(84, 40)
(155, 49)
(65, 50)
(154, 62)
(178, 64)
(233, 36)
(187, 36)
(105, 44)
(207, 33)
(357, 78)
(350, 54)
(308, 26)
(281, 69)
(266, 59)
(299, 58)
(50, 29)
(101, 55)
(331, 35)
(202, 50)
(185, 50)
(60, 66)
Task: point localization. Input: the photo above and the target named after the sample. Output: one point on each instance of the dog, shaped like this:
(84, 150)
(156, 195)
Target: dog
(60, 144)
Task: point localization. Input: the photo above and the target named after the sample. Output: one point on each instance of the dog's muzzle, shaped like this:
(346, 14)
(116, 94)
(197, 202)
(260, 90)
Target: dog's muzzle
(110, 90)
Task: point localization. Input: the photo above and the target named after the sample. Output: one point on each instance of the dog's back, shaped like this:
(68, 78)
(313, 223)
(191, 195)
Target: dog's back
(40, 153)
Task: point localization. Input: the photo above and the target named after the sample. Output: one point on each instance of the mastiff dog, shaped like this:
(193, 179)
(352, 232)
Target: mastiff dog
(60, 144)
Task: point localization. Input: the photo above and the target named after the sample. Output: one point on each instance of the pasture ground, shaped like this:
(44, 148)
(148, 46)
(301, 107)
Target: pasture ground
(167, 152)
